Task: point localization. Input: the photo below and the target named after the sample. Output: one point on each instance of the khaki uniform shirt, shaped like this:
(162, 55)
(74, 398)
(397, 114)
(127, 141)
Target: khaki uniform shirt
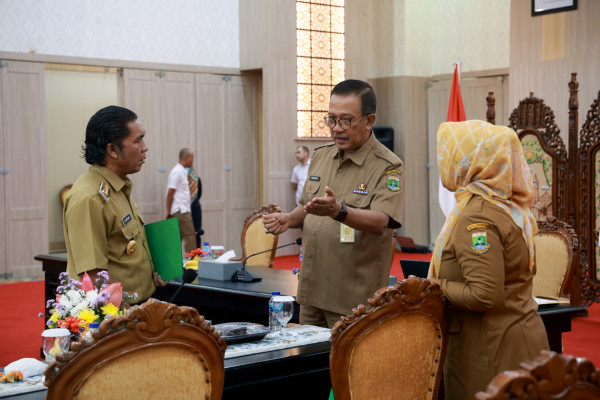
(485, 276)
(99, 227)
(338, 276)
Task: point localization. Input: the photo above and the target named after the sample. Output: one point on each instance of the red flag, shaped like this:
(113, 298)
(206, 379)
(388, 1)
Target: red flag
(456, 110)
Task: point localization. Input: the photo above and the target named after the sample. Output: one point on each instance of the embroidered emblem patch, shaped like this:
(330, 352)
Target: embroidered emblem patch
(480, 244)
(393, 183)
(393, 171)
(479, 225)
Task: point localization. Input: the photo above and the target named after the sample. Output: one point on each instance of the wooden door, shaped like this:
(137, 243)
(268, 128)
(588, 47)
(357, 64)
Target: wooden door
(241, 155)
(227, 156)
(23, 187)
(211, 165)
(474, 92)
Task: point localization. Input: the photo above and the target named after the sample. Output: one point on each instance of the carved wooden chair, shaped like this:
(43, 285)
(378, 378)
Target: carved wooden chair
(556, 256)
(549, 376)
(588, 204)
(255, 239)
(392, 348)
(157, 350)
(545, 153)
(62, 195)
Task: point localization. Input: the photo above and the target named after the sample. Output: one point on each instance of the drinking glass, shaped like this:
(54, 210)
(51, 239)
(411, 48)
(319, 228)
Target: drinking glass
(286, 310)
(55, 342)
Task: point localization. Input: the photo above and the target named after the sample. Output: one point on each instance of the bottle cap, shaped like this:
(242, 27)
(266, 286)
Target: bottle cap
(275, 293)
(94, 325)
(206, 243)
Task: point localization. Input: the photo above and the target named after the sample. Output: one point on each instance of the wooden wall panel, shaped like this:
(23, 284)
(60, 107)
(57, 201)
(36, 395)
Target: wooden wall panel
(141, 94)
(549, 79)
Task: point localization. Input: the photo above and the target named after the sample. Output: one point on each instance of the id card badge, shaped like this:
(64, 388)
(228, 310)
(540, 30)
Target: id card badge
(347, 234)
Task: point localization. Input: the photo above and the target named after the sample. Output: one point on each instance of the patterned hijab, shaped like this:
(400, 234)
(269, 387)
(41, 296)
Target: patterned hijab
(478, 158)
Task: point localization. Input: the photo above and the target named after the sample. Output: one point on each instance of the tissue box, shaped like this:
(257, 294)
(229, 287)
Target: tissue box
(220, 271)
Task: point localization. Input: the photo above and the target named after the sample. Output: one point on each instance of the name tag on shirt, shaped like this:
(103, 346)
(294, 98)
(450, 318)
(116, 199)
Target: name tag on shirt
(126, 219)
(347, 234)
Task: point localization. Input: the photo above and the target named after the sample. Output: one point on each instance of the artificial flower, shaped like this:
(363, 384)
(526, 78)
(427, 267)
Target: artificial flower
(86, 282)
(115, 290)
(110, 309)
(88, 315)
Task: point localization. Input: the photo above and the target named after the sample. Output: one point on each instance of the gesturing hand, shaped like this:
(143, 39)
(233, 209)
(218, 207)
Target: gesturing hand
(324, 206)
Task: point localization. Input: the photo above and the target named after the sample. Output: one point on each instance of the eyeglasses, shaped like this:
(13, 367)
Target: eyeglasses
(344, 123)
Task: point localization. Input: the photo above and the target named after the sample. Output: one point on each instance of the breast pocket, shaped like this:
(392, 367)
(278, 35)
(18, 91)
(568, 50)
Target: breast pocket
(130, 230)
(312, 188)
(359, 200)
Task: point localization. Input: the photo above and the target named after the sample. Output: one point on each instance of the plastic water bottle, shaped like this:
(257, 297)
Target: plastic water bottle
(206, 251)
(274, 308)
(92, 328)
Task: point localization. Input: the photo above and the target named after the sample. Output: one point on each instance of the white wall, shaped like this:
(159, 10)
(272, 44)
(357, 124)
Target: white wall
(190, 32)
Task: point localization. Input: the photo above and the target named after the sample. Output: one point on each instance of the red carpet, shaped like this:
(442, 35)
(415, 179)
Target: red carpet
(20, 327)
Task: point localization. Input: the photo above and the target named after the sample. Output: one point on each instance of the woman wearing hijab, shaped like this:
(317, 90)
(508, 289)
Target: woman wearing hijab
(484, 256)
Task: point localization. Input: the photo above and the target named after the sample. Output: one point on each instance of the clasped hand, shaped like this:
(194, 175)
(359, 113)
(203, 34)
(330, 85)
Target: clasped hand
(278, 222)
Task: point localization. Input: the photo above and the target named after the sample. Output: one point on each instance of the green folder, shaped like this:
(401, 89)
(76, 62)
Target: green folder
(164, 241)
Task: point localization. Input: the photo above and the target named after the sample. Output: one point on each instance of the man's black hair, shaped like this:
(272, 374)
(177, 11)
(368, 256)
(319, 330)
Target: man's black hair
(368, 100)
(108, 125)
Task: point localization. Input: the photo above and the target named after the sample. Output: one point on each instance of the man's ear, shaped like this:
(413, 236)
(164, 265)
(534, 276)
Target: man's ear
(371, 121)
(112, 150)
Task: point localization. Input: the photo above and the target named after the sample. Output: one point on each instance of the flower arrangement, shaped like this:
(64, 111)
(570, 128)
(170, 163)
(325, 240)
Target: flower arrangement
(79, 303)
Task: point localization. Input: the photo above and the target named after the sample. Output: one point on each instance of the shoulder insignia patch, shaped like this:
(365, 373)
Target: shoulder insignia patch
(104, 191)
(478, 225)
(479, 242)
(393, 171)
(393, 183)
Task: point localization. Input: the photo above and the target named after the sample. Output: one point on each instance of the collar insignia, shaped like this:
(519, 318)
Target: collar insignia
(104, 191)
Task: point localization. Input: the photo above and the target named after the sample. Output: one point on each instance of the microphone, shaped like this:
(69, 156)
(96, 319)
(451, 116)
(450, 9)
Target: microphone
(243, 275)
(188, 276)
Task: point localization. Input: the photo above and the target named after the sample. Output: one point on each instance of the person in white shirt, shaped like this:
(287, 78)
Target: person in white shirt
(178, 198)
(300, 171)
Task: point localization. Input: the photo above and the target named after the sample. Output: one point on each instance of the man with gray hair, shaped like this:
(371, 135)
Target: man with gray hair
(178, 198)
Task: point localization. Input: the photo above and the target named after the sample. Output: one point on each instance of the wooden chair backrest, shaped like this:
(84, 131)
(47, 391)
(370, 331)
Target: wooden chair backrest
(62, 195)
(588, 204)
(556, 256)
(549, 376)
(394, 347)
(545, 153)
(156, 350)
(254, 239)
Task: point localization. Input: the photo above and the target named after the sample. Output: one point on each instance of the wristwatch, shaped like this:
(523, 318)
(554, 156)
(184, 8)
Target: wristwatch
(341, 216)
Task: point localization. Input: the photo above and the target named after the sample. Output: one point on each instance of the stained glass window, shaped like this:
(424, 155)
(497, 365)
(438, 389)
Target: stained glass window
(320, 61)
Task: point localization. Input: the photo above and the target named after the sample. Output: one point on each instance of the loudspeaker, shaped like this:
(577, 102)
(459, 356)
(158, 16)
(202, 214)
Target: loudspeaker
(385, 134)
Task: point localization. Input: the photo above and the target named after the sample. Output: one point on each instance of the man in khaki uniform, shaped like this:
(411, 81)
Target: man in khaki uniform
(351, 201)
(103, 227)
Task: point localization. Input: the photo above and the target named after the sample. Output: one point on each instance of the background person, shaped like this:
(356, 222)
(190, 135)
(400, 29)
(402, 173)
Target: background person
(102, 224)
(195, 184)
(352, 200)
(484, 256)
(300, 171)
(178, 198)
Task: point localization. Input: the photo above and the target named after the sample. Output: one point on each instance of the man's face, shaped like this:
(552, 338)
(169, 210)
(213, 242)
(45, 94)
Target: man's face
(301, 155)
(133, 154)
(348, 107)
(188, 160)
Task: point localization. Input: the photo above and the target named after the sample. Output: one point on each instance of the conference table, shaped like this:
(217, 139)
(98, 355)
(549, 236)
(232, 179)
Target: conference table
(299, 368)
